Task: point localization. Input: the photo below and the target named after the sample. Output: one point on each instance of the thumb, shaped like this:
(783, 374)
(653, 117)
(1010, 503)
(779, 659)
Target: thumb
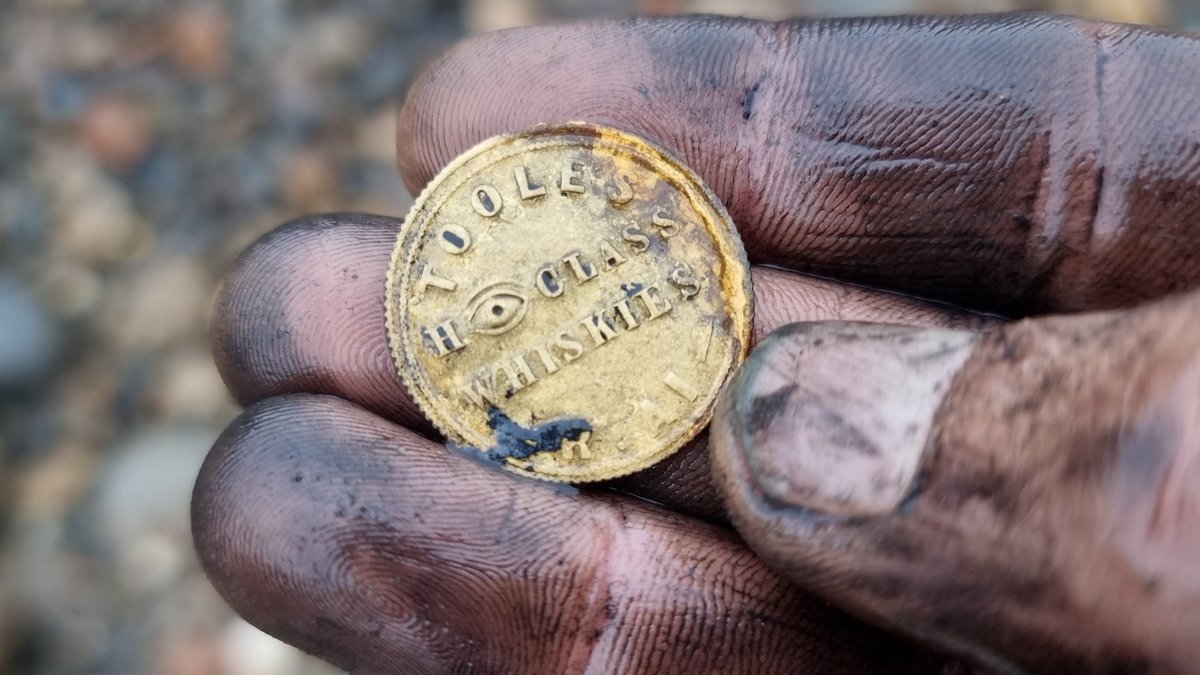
(1028, 496)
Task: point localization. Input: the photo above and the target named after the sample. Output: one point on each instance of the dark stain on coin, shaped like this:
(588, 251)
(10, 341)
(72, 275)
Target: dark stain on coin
(519, 442)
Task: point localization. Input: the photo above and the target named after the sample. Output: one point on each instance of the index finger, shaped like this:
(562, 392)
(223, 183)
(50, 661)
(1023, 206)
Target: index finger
(1013, 162)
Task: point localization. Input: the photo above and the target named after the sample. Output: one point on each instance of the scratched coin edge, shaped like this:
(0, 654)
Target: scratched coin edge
(736, 282)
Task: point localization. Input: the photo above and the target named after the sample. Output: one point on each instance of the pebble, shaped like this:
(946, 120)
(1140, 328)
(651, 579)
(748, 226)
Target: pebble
(83, 45)
(375, 137)
(140, 509)
(188, 388)
(483, 16)
(196, 654)
(12, 136)
(200, 40)
(117, 130)
(310, 181)
(154, 305)
(70, 289)
(334, 43)
(23, 216)
(9, 630)
(246, 650)
(30, 339)
(50, 487)
(93, 218)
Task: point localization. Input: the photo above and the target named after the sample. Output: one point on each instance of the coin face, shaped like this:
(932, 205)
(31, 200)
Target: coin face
(568, 302)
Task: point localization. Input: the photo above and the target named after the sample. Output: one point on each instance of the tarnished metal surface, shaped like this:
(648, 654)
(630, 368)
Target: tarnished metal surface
(568, 301)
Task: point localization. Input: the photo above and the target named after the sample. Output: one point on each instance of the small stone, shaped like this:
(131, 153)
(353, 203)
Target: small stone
(118, 132)
(23, 210)
(150, 562)
(12, 134)
(92, 215)
(334, 42)
(71, 290)
(484, 16)
(109, 231)
(200, 40)
(660, 7)
(190, 389)
(29, 339)
(85, 402)
(1147, 12)
(141, 508)
(195, 654)
(376, 137)
(82, 44)
(9, 631)
(246, 650)
(310, 182)
(49, 488)
(165, 302)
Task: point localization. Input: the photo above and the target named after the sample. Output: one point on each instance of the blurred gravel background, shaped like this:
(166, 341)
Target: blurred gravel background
(142, 145)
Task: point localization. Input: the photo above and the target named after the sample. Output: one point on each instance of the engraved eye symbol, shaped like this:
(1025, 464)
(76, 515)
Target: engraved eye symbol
(496, 308)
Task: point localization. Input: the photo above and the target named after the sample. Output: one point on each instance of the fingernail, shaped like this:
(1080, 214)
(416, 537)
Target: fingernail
(836, 417)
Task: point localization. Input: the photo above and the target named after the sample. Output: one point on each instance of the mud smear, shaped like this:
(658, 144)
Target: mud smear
(764, 408)
(519, 442)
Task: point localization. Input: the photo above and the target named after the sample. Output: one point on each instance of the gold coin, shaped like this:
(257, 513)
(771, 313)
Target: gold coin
(568, 302)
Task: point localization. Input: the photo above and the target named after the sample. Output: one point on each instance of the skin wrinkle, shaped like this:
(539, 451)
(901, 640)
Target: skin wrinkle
(398, 593)
(876, 154)
(1034, 525)
(598, 605)
(790, 529)
(297, 313)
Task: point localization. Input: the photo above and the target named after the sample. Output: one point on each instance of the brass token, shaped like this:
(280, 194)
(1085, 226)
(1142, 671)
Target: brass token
(568, 301)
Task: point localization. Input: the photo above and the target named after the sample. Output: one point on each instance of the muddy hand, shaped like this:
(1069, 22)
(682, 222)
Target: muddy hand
(1029, 495)
(1014, 164)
